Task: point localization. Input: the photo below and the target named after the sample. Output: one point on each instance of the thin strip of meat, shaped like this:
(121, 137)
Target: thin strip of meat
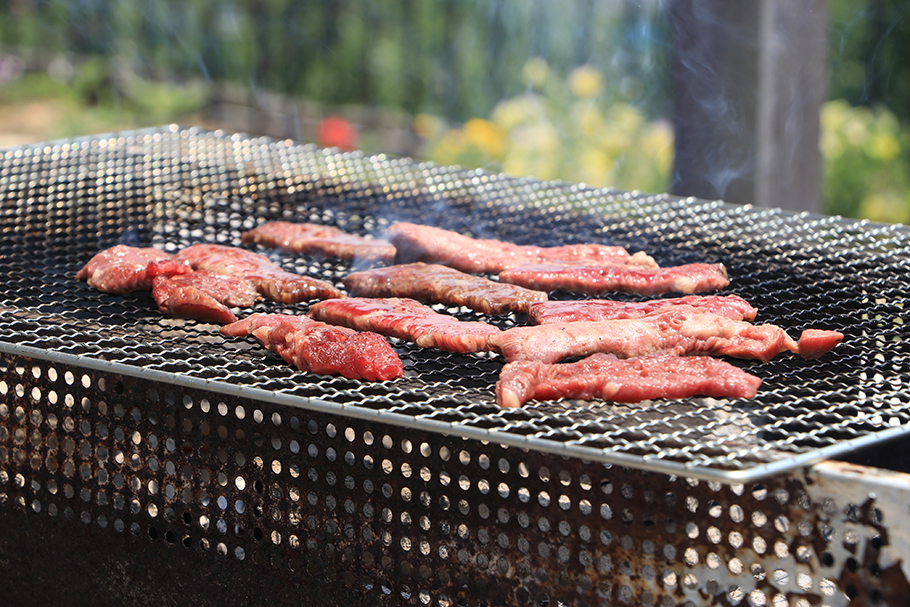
(414, 242)
(202, 295)
(270, 280)
(229, 290)
(591, 280)
(729, 306)
(121, 269)
(189, 302)
(814, 343)
(606, 377)
(317, 347)
(682, 330)
(406, 319)
(433, 283)
(315, 238)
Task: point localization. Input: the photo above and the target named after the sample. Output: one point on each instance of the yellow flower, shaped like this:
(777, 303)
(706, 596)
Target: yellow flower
(485, 135)
(533, 150)
(885, 207)
(616, 141)
(450, 146)
(585, 82)
(542, 137)
(513, 112)
(427, 126)
(831, 144)
(856, 128)
(833, 115)
(589, 119)
(882, 146)
(595, 167)
(886, 121)
(626, 117)
(523, 164)
(535, 72)
(658, 144)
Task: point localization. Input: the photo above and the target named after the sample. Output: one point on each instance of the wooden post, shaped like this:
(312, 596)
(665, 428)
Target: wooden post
(749, 79)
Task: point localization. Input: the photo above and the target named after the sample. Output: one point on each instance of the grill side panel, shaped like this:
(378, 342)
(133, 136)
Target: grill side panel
(120, 489)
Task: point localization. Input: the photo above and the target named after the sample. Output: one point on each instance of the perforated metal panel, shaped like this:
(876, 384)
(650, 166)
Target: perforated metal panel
(150, 460)
(116, 487)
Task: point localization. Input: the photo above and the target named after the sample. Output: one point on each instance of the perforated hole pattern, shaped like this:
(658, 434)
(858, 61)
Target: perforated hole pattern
(63, 202)
(279, 505)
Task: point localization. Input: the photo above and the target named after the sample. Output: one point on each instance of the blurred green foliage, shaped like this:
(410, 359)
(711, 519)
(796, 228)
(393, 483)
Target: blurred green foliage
(571, 129)
(566, 130)
(870, 54)
(456, 58)
(866, 154)
(865, 139)
(589, 107)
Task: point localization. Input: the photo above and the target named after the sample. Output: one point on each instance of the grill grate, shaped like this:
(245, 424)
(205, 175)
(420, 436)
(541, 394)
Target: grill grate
(62, 202)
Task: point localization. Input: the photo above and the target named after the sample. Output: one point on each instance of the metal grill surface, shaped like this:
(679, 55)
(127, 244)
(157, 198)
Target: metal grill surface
(62, 202)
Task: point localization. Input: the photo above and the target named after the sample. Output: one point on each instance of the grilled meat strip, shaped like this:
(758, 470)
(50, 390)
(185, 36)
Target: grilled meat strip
(594, 280)
(681, 330)
(316, 347)
(121, 269)
(414, 242)
(270, 280)
(182, 292)
(189, 302)
(606, 377)
(406, 319)
(817, 342)
(730, 306)
(179, 291)
(315, 238)
(433, 283)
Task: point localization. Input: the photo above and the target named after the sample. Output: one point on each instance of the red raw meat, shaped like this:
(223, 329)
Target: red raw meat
(606, 377)
(229, 290)
(167, 267)
(414, 242)
(190, 302)
(730, 306)
(597, 280)
(681, 330)
(121, 269)
(202, 295)
(315, 238)
(270, 280)
(816, 342)
(316, 347)
(406, 319)
(434, 283)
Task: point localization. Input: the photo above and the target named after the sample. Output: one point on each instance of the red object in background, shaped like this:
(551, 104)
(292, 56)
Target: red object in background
(336, 132)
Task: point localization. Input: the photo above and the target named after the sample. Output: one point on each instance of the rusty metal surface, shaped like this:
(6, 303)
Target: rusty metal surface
(122, 489)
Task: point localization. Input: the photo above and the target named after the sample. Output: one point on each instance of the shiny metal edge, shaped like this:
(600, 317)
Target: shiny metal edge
(748, 474)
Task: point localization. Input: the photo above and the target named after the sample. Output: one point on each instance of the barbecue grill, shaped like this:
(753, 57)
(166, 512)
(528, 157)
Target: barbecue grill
(151, 460)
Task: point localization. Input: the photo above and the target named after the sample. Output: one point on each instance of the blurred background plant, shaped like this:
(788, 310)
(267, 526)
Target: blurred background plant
(561, 128)
(562, 131)
(867, 155)
(576, 90)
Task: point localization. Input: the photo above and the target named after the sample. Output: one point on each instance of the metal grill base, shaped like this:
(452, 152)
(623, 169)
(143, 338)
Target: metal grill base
(130, 490)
